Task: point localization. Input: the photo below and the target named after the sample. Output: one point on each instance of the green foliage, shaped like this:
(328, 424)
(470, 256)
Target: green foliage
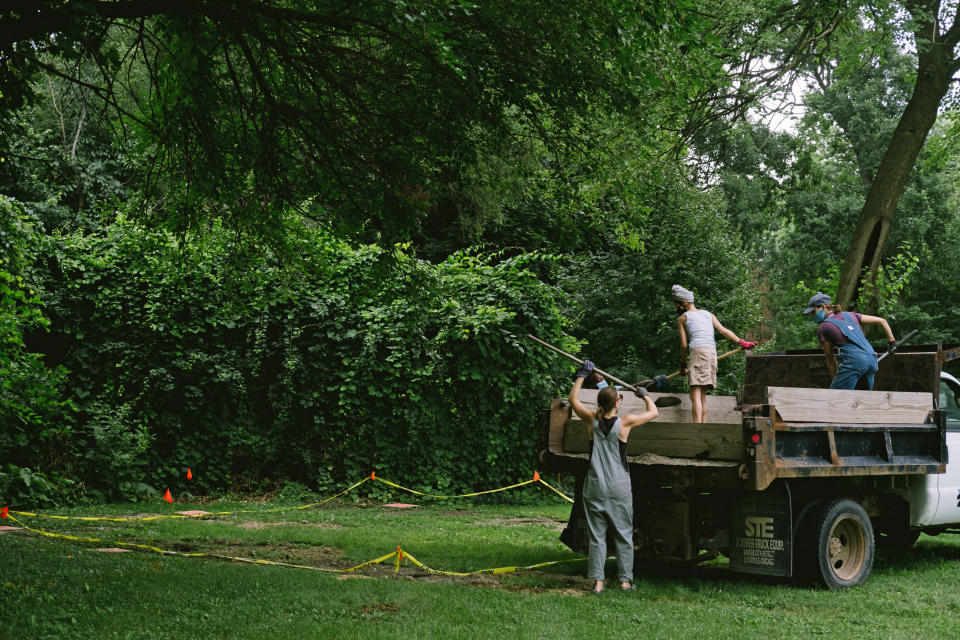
(620, 297)
(374, 110)
(253, 370)
(32, 411)
(885, 292)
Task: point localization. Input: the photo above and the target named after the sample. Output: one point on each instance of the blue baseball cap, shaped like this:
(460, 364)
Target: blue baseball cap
(816, 301)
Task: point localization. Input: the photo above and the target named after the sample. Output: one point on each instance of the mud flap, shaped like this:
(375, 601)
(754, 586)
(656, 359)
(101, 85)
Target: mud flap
(762, 533)
(575, 535)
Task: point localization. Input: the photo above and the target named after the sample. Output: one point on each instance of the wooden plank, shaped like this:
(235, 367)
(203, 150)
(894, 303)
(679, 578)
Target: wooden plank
(676, 440)
(849, 406)
(720, 409)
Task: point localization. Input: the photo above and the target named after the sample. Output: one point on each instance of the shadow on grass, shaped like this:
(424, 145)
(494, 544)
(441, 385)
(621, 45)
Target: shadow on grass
(928, 550)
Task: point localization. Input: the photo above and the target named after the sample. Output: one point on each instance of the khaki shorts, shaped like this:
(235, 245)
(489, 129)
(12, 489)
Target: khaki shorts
(702, 370)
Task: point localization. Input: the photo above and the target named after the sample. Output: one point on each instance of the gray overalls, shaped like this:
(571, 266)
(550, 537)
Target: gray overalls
(608, 500)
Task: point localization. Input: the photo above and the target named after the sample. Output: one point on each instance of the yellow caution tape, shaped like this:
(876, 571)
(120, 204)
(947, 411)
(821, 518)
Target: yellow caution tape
(372, 476)
(556, 491)
(194, 516)
(462, 495)
(398, 556)
(406, 555)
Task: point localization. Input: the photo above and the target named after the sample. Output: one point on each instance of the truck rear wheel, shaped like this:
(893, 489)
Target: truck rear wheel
(839, 545)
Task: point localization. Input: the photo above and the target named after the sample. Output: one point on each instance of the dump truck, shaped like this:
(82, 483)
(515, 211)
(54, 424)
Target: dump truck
(789, 478)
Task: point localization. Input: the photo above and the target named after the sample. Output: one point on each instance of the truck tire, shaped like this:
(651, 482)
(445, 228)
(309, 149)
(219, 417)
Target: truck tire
(837, 545)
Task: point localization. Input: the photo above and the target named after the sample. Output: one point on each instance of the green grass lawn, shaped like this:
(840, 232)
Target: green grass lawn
(53, 588)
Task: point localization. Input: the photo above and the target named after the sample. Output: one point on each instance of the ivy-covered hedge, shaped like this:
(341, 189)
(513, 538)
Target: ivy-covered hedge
(33, 413)
(315, 366)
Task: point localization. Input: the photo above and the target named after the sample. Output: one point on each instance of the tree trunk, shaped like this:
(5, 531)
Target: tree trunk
(934, 70)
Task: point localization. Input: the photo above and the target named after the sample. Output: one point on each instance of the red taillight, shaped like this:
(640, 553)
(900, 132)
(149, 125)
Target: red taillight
(755, 437)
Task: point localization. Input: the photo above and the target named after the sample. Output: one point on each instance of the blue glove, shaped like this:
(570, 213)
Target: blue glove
(585, 369)
(659, 381)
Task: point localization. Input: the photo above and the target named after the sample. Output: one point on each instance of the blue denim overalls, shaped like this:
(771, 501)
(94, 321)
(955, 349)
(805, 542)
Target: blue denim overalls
(858, 361)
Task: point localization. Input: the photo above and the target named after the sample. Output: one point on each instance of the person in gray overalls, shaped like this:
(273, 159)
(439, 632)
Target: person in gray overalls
(607, 495)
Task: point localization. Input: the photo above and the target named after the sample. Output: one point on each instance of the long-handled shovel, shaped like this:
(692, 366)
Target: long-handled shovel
(677, 372)
(896, 345)
(664, 401)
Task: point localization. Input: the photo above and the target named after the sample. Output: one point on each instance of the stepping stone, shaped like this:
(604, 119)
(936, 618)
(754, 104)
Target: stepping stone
(5, 528)
(400, 505)
(115, 550)
(192, 513)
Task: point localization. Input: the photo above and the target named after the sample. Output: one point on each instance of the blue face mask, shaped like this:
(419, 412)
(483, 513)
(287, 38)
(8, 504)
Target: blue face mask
(819, 316)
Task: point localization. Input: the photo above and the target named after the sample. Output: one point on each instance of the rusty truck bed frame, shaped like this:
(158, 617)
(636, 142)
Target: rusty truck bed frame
(789, 450)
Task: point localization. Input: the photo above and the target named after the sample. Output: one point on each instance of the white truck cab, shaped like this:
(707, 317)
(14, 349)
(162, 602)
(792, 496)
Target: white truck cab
(935, 503)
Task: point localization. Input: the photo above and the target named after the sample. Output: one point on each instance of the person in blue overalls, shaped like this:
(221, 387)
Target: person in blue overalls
(607, 492)
(844, 331)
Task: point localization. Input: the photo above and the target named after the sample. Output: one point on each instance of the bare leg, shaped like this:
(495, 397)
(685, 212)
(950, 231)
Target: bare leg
(695, 403)
(703, 403)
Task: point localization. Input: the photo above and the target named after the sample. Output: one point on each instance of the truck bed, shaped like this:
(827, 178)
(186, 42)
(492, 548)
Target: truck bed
(750, 447)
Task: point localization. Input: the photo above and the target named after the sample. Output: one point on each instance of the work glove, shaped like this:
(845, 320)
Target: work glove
(585, 369)
(891, 345)
(683, 367)
(659, 381)
(640, 392)
(746, 344)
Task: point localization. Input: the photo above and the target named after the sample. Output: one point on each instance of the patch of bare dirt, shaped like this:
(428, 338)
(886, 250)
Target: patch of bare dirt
(257, 525)
(313, 556)
(379, 608)
(571, 585)
(556, 525)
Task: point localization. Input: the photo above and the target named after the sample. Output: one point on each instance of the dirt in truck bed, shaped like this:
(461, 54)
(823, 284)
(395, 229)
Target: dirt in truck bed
(653, 459)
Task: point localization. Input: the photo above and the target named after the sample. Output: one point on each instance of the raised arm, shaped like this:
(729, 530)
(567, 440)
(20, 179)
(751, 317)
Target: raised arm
(574, 398)
(632, 420)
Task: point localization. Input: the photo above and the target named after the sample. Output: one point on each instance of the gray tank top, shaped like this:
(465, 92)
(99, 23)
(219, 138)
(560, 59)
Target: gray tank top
(607, 458)
(700, 329)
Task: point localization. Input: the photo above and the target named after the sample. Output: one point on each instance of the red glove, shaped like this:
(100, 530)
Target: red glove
(683, 368)
(746, 345)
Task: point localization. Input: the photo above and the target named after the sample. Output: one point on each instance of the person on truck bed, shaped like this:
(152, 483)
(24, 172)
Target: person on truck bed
(607, 494)
(697, 340)
(844, 330)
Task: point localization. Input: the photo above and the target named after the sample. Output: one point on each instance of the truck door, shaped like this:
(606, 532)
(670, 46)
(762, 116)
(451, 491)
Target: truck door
(948, 484)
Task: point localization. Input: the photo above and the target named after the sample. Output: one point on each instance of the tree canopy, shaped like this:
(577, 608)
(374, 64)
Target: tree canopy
(232, 230)
(363, 115)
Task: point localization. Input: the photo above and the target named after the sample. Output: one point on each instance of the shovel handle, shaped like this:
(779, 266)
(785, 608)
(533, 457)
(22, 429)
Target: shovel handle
(720, 357)
(896, 345)
(606, 375)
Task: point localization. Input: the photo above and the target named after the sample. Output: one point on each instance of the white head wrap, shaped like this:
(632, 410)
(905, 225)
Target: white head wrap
(679, 293)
